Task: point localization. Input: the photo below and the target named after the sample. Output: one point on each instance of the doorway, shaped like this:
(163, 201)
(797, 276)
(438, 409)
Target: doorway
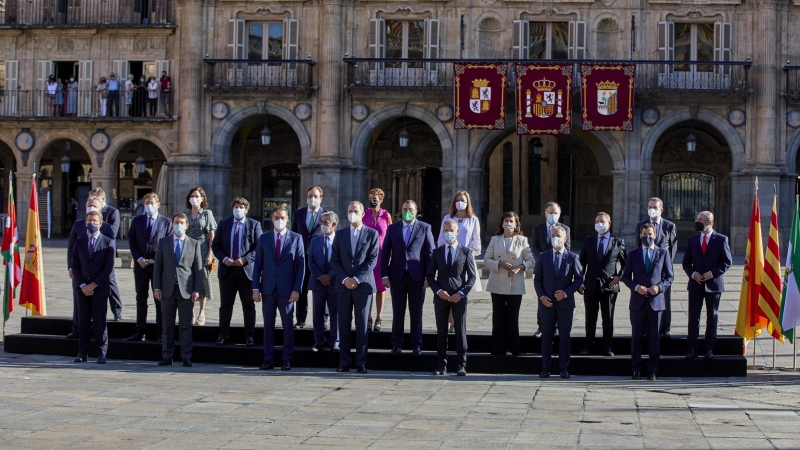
(280, 186)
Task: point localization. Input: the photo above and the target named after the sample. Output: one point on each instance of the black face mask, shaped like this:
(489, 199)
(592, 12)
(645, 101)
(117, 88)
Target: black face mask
(699, 226)
(373, 203)
(647, 241)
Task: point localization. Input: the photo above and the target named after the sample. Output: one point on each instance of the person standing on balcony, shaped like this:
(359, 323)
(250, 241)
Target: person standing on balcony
(166, 86)
(152, 96)
(102, 95)
(51, 95)
(72, 97)
(59, 111)
(128, 94)
(113, 96)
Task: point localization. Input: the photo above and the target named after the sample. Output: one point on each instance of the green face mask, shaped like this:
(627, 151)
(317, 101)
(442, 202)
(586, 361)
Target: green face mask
(408, 216)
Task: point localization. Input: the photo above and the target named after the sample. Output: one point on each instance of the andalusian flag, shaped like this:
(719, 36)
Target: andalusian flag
(790, 304)
(769, 303)
(748, 322)
(31, 295)
(10, 249)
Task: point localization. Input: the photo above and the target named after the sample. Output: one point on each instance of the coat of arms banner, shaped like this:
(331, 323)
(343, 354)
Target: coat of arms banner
(607, 96)
(480, 95)
(544, 99)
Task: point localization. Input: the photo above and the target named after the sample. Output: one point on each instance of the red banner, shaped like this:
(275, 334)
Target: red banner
(480, 95)
(544, 100)
(607, 96)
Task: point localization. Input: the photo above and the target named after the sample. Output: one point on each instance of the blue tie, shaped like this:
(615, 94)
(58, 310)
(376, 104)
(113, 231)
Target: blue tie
(408, 234)
(178, 249)
(150, 221)
(558, 261)
(91, 247)
(235, 245)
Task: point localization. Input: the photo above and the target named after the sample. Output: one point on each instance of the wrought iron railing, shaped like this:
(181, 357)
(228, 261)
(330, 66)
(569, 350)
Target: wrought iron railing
(792, 82)
(63, 105)
(249, 74)
(87, 13)
(394, 74)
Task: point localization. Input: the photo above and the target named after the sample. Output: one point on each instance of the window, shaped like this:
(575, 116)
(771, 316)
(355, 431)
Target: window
(549, 40)
(260, 48)
(685, 194)
(405, 39)
(694, 42)
(263, 40)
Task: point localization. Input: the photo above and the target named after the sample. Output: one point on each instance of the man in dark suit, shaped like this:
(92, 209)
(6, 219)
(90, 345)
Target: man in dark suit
(707, 258)
(92, 267)
(353, 258)
(602, 258)
(540, 242)
(111, 217)
(405, 257)
(278, 271)
(666, 238)
(323, 284)
(143, 237)
(178, 281)
(306, 223)
(648, 274)
(451, 275)
(78, 231)
(557, 276)
(235, 245)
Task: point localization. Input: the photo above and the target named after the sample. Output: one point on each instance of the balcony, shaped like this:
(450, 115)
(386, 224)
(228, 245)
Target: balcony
(792, 83)
(256, 75)
(82, 105)
(87, 13)
(652, 77)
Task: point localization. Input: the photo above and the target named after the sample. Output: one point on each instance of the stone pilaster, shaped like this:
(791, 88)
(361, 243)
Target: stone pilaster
(330, 80)
(190, 13)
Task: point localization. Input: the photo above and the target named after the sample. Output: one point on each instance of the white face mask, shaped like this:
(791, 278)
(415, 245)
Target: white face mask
(326, 230)
(354, 217)
(238, 213)
(449, 236)
(601, 227)
(313, 202)
(178, 229)
(552, 219)
(91, 209)
(461, 206)
(279, 224)
(557, 242)
(150, 209)
(509, 226)
(194, 201)
(653, 213)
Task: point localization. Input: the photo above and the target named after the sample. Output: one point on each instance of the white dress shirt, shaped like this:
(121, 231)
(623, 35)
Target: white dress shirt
(355, 232)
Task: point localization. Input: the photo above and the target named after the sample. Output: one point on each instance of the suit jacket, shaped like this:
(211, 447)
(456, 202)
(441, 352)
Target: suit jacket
(223, 240)
(189, 269)
(99, 268)
(319, 265)
(717, 260)
(518, 253)
(597, 272)
(300, 225)
(569, 278)
(79, 230)
(111, 217)
(666, 238)
(539, 240)
(460, 277)
(285, 275)
(395, 254)
(358, 266)
(660, 274)
(142, 244)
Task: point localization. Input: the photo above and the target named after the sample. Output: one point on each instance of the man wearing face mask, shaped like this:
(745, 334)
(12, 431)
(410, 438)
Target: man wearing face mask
(113, 96)
(111, 217)
(353, 258)
(323, 284)
(278, 272)
(666, 237)
(405, 256)
(306, 223)
(540, 242)
(235, 245)
(602, 257)
(143, 239)
(648, 274)
(557, 276)
(707, 258)
(78, 231)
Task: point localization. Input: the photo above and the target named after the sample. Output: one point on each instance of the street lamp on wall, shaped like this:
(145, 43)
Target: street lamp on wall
(266, 134)
(691, 143)
(537, 149)
(141, 163)
(404, 136)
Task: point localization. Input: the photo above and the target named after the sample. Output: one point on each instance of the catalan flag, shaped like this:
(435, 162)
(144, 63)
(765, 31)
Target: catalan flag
(31, 295)
(748, 323)
(769, 297)
(790, 304)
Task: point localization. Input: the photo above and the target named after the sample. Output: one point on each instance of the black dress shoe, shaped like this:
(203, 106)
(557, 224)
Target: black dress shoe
(691, 354)
(72, 336)
(80, 359)
(187, 362)
(101, 360)
(343, 369)
(636, 375)
(417, 351)
(268, 365)
(440, 371)
(544, 374)
(361, 369)
(565, 375)
(117, 317)
(538, 333)
(395, 352)
(249, 342)
(222, 340)
(586, 351)
(300, 325)
(652, 376)
(286, 366)
(165, 362)
(709, 354)
(327, 348)
(135, 337)
(666, 335)
(316, 348)
(462, 371)
(609, 353)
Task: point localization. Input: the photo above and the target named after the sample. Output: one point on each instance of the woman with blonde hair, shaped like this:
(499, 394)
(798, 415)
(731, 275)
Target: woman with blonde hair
(378, 219)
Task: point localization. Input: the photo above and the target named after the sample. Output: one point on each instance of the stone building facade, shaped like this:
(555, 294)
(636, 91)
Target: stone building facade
(337, 82)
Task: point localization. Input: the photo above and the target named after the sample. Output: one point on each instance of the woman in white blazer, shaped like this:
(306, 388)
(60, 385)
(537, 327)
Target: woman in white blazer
(508, 256)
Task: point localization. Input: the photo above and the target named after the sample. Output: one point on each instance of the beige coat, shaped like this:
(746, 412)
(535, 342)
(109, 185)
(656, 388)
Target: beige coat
(518, 253)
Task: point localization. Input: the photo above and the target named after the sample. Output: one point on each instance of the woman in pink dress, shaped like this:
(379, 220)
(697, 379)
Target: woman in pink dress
(378, 219)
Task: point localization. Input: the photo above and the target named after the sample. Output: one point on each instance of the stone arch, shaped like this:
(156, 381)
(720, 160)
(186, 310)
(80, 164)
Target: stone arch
(360, 146)
(37, 153)
(120, 141)
(732, 137)
(791, 151)
(223, 135)
(9, 141)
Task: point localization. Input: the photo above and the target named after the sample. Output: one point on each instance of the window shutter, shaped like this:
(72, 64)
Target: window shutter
(291, 48)
(666, 41)
(432, 50)
(722, 48)
(11, 88)
(44, 68)
(85, 88)
(576, 47)
(236, 38)
(377, 49)
(521, 30)
(122, 68)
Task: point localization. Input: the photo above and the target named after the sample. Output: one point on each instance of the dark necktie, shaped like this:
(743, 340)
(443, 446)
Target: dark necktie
(326, 253)
(178, 251)
(557, 261)
(647, 260)
(235, 244)
(449, 256)
(150, 221)
(408, 234)
(91, 247)
(655, 227)
(311, 221)
(600, 248)
(278, 248)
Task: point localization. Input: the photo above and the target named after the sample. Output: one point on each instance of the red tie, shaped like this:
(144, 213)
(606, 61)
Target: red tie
(705, 244)
(278, 248)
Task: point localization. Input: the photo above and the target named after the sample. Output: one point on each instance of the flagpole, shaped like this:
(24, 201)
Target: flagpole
(773, 354)
(794, 355)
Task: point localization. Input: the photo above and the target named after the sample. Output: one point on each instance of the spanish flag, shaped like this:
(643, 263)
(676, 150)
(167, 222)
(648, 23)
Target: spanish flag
(769, 298)
(31, 295)
(749, 322)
